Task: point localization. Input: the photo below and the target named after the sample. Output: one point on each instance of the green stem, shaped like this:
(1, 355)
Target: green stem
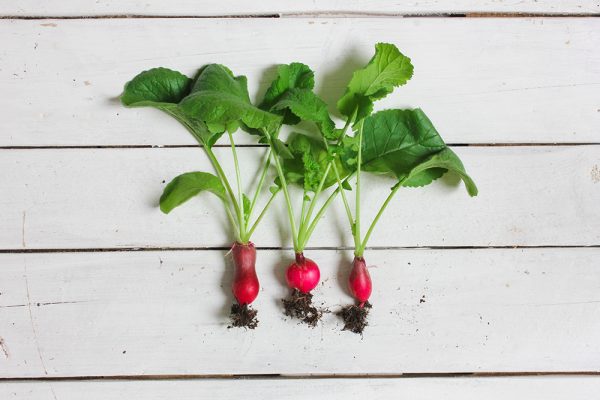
(357, 205)
(337, 173)
(347, 124)
(222, 176)
(303, 212)
(304, 238)
(261, 215)
(315, 221)
(209, 153)
(242, 223)
(220, 173)
(343, 193)
(261, 181)
(361, 249)
(233, 222)
(286, 193)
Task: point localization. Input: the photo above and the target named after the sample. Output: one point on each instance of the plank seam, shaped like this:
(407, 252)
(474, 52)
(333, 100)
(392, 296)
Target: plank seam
(324, 248)
(137, 16)
(497, 14)
(320, 14)
(184, 146)
(409, 375)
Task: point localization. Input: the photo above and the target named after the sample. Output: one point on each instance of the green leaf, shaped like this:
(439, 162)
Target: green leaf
(396, 141)
(163, 89)
(275, 188)
(406, 144)
(445, 160)
(158, 87)
(210, 141)
(282, 149)
(348, 152)
(185, 186)
(220, 98)
(387, 69)
(289, 76)
(425, 177)
(246, 203)
(307, 106)
(310, 159)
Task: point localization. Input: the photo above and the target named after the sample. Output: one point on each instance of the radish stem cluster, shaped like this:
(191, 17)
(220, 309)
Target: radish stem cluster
(322, 162)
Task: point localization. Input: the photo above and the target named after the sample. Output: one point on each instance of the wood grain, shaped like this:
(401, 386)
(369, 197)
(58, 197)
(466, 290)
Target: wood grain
(107, 198)
(289, 7)
(101, 309)
(530, 388)
(155, 313)
(479, 80)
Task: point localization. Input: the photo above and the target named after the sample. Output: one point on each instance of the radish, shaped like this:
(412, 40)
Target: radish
(360, 285)
(360, 281)
(403, 144)
(398, 143)
(382, 139)
(303, 274)
(305, 162)
(245, 284)
(213, 104)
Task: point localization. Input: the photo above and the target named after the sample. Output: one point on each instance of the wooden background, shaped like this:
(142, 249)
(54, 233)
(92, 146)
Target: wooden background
(103, 297)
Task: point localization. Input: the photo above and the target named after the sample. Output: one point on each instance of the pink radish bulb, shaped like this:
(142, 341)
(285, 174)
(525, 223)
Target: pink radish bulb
(303, 274)
(245, 285)
(360, 281)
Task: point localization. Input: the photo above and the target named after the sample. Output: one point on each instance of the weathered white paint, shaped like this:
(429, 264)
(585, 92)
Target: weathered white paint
(480, 80)
(148, 313)
(96, 198)
(288, 7)
(164, 312)
(522, 388)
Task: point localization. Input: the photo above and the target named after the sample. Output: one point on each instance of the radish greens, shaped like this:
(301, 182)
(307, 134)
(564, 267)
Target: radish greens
(316, 159)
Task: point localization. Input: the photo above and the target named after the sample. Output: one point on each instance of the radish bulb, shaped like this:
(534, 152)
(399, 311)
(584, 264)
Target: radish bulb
(302, 276)
(360, 285)
(360, 281)
(245, 285)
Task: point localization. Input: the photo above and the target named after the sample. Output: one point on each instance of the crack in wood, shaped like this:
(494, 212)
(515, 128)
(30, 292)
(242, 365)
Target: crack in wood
(23, 230)
(4, 348)
(35, 337)
(40, 304)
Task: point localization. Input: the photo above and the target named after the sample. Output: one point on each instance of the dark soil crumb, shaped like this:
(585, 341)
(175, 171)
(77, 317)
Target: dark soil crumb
(355, 317)
(299, 305)
(243, 316)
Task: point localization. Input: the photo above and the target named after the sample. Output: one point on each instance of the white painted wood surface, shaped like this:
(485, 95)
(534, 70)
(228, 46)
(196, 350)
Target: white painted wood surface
(156, 313)
(148, 313)
(525, 388)
(96, 198)
(479, 80)
(288, 7)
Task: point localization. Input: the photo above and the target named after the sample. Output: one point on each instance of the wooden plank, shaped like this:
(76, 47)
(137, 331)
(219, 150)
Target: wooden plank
(521, 388)
(97, 198)
(480, 80)
(287, 7)
(165, 313)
